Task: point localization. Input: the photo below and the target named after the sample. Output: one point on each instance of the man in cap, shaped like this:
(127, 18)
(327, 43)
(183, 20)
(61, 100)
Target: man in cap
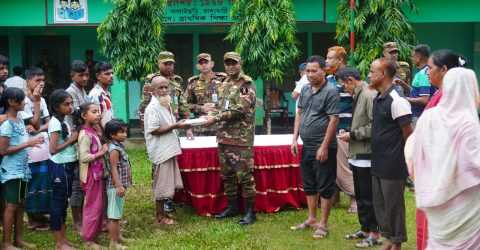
(166, 66)
(236, 130)
(401, 80)
(180, 109)
(203, 91)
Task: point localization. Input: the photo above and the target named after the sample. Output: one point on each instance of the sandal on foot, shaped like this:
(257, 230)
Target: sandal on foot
(357, 235)
(320, 233)
(302, 226)
(165, 220)
(368, 242)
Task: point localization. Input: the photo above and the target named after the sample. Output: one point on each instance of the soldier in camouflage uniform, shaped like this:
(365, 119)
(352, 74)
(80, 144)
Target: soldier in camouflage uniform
(236, 130)
(203, 92)
(402, 78)
(166, 65)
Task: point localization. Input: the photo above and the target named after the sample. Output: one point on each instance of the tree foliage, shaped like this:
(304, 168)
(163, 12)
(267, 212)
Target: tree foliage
(131, 36)
(374, 23)
(264, 35)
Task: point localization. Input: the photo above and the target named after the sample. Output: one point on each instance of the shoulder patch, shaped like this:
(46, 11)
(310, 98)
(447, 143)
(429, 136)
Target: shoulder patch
(193, 78)
(246, 78)
(244, 90)
(178, 78)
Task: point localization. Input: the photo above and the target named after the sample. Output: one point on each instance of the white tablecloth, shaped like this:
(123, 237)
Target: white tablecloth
(260, 140)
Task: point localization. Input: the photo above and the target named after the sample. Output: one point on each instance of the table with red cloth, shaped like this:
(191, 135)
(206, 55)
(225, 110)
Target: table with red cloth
(277, 175)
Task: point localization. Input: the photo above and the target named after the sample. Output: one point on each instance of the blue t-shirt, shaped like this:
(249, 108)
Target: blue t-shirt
(345, 104)
(15, 166)
(421, 86)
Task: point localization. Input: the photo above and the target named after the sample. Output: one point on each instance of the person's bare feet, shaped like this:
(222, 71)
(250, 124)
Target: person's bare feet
(117, 246)
(64, 246)
(124, 240)
(67, 242)
(9, 247)
(93, 245)
(24, 244)
(387, 245)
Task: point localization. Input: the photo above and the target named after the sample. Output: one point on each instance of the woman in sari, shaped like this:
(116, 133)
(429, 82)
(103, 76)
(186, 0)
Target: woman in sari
(438, 65)
(443, 155)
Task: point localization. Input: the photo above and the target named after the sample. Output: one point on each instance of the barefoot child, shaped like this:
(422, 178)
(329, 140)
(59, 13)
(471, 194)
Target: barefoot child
(119, 180)
(91, 153)
(15, 172)
(36, 116)
(61, 165)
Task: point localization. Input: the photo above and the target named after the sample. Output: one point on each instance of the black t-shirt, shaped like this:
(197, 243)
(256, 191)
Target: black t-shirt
(316, 107)
(390, 112)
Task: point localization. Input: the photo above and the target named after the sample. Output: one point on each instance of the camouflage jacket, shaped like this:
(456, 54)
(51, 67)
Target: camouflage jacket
(236, 115)
(179, 103)
(200, 91)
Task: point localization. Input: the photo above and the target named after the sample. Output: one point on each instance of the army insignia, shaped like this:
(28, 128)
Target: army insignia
(227, 103)
(244, 90)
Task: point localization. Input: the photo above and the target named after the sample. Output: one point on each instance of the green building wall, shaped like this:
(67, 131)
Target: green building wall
(439, 23)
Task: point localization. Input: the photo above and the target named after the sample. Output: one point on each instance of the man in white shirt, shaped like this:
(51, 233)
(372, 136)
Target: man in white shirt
(100, 94)
(300, 83)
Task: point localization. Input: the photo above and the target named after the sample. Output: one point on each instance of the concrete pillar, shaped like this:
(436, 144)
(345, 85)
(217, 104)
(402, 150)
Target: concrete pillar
(15, 46)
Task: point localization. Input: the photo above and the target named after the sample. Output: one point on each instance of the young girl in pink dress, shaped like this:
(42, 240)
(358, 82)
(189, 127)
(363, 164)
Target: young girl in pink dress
(91, 153)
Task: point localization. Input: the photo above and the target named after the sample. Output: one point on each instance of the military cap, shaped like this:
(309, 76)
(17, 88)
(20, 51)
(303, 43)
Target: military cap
(390, 47)
(166, 56)
(232, 56)
(204, 56)
(403, 64)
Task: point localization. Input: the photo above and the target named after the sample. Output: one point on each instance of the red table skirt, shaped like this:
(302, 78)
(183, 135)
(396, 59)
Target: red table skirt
(277, 178)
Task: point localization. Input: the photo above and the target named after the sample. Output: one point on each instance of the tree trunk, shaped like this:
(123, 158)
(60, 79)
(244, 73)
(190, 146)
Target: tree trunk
(267, 120)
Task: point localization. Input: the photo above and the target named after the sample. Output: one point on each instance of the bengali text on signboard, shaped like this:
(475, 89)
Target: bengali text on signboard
(198, 11)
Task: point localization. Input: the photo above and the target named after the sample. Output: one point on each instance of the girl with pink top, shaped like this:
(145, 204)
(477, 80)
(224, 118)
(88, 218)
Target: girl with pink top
(91, 153)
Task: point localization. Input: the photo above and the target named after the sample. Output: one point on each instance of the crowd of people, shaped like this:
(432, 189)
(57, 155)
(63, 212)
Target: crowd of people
(363, 137)
(389, 121)
(67, 151)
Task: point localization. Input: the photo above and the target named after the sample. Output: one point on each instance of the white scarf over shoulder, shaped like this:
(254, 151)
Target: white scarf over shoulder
(445, 146)
(160, 148)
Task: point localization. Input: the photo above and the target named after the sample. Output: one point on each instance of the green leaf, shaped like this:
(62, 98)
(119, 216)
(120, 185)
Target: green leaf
(132, 35)
(375, 22)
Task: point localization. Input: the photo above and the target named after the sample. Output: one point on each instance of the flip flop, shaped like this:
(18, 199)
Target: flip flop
(357, 235)
(368, 242)
(302, 226)
(320, 233)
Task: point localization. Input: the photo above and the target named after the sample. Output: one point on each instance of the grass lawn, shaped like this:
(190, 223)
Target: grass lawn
(194, 232)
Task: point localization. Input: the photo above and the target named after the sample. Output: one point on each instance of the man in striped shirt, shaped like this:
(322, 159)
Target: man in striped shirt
(336, 60)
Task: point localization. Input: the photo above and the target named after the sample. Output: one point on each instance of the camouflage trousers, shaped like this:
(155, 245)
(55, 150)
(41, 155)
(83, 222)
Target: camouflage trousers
(236, 164)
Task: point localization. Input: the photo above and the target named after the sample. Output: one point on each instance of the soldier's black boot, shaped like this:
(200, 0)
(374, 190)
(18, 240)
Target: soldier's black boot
(250, 216)
(230, 211)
